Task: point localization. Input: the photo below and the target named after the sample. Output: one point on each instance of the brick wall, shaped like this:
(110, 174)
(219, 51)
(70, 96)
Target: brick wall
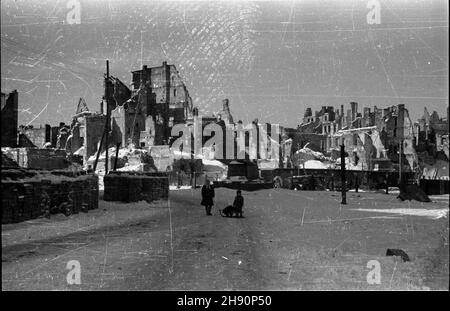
(37, 136)
(94, 127)
(24, 193)
(9, 119)
(133, 187)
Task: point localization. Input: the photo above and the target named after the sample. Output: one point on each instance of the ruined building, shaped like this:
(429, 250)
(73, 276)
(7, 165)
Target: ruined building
(43, 136)
(158, 100)
(141, 116)
(14, 135)
(377, 139)
(34, 137)
(313, 130)
(85, 133)
(431, 133)
(431, 144)
(372, 138)
(9, 118)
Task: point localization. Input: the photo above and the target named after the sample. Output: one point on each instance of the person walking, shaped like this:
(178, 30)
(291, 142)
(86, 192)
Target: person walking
(207, 197)
(238, 203)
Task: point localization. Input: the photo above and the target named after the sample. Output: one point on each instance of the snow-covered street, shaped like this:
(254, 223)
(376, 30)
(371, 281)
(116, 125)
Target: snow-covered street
(287, 240)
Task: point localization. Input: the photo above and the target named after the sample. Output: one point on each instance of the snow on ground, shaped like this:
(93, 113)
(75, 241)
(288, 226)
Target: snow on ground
(181, 154)
(212, 168)
(431, 213)
(131, 168)
(331, 253)
(316, 164)
(442, 197)
(101, 174)
(179, 188)
(214, 164)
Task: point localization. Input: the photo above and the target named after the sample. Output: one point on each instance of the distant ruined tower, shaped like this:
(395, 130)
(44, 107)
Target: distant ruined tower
(308, 116)
(225, 113)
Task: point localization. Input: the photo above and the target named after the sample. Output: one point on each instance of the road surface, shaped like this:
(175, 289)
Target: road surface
(298, 240)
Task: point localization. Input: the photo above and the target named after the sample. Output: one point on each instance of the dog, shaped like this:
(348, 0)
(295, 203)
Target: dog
(230, 210)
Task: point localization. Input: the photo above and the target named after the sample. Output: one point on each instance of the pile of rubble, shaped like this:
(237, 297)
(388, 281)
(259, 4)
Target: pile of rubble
(311, 159)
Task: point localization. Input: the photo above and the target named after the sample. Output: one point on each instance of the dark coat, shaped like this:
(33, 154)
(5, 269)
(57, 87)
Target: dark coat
(238, 202)
(207, 196)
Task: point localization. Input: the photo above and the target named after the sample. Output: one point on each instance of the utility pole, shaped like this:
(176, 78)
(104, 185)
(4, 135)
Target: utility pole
(99, 150)
(117, 155)
(108, 112)
(400, 163)
(343, 186)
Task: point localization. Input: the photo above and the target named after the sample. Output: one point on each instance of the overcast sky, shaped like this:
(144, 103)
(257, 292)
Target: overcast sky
(271, 59)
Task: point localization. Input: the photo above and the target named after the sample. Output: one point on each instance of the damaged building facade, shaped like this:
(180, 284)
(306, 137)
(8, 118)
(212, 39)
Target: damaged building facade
(376, 140)
(158, 100)
(431, 144)
(44, 136)
(431, 133)
(85, 132)
(141, 116)
(373, 139)
(224, 139)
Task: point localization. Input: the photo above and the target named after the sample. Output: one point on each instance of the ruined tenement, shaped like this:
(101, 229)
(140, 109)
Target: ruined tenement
(86, 131)
(372, 138)
(159, 99)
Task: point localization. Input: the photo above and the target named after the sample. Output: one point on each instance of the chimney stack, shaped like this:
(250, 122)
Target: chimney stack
(225, 105)
(308, 112)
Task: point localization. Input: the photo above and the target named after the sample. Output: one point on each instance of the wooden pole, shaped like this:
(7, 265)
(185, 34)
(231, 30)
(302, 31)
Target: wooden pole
(343, 186)
(107, 116)
(400, 163)
(99, 151)
(117, 155)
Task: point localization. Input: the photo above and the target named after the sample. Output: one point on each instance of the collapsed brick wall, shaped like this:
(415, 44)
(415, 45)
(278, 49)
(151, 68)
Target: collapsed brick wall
(37, 136)
(136, 186)
(28, 194)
